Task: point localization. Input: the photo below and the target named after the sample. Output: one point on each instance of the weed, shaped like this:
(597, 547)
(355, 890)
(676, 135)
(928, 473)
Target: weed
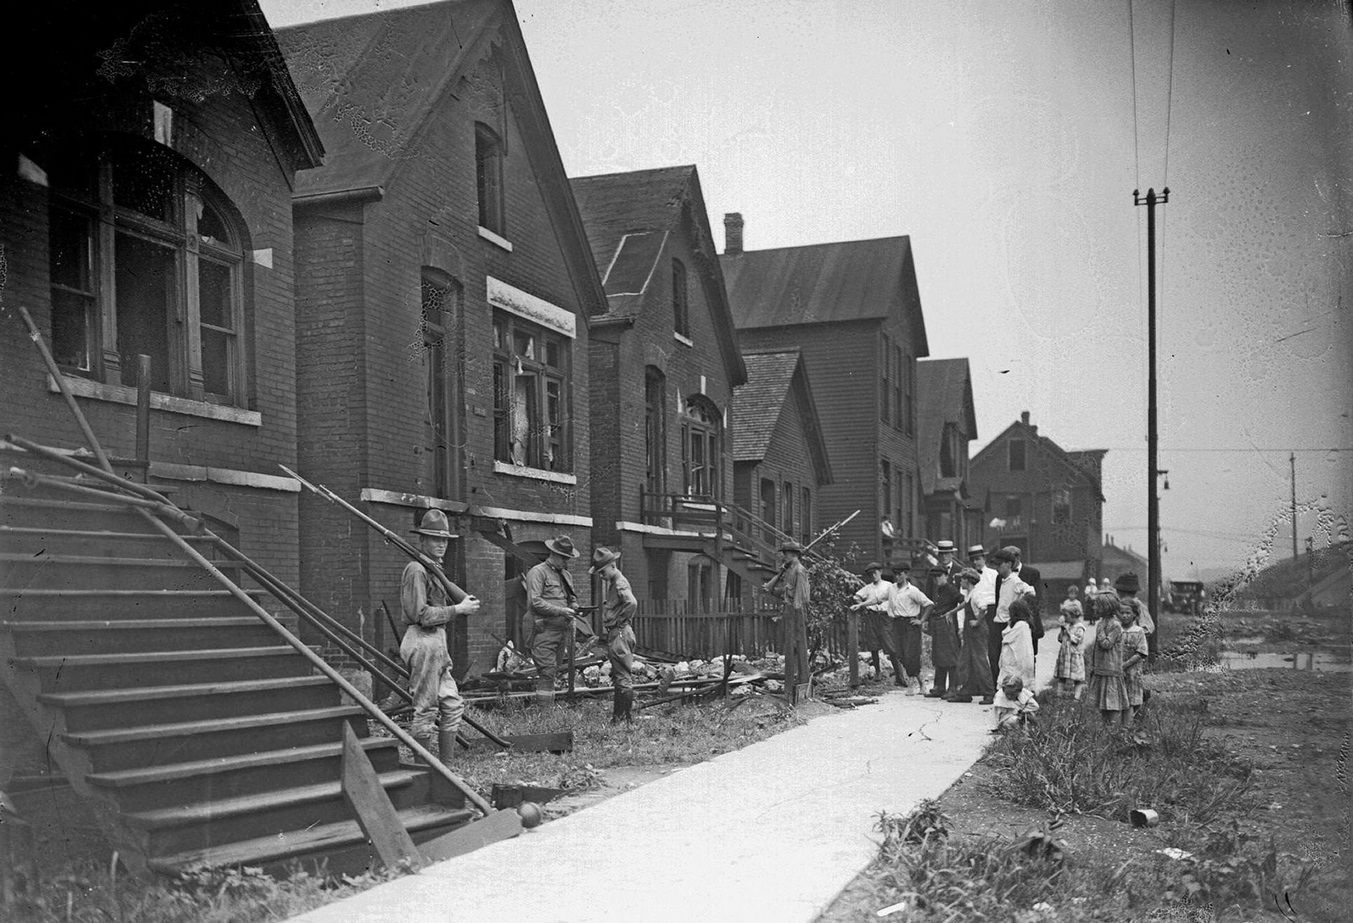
(1070, 762)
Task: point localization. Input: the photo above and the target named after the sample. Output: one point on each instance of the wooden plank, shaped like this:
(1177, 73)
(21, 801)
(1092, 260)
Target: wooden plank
(375, 813)
(495, 826)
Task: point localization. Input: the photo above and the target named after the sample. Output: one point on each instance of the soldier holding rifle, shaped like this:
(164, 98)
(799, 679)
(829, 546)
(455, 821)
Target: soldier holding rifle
(427, 608)
(553, 604)
(791, 585)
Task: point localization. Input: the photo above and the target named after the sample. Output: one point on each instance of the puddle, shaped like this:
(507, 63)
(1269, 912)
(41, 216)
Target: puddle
(1319, 662)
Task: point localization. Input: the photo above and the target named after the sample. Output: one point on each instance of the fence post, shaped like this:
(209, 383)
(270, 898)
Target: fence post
(853, 647)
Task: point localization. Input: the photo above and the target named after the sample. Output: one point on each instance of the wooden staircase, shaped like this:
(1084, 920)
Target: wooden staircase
(198, 736)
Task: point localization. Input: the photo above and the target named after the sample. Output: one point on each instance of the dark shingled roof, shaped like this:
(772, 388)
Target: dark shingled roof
(774, 381)
(1074, 460)
(370, 80)
(628, 216)
(757, 404)
(944, 389)
(846, 281)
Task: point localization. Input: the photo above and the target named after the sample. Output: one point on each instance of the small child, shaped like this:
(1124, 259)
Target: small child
(1134, 654)
(1070, 670)
(1015, 705)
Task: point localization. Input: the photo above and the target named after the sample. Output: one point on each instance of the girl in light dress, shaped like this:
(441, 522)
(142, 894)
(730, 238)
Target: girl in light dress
(1070, 670)
(1134, 653)
(1017, 646)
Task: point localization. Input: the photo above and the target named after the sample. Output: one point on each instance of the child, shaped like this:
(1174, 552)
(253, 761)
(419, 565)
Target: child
(1015, 705)
(1134, 653)
(1070, 670)
(1105, 687)
(1017, 646)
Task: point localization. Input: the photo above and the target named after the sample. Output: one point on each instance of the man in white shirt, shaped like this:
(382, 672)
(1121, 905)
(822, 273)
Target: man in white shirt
(873, 599)
(984, 594)
(908, 608)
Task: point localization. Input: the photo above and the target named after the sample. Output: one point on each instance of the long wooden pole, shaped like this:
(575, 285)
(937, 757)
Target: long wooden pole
(52, 369)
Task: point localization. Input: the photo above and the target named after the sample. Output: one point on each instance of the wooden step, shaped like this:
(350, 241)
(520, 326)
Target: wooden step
(428, 820)
(56, 571)
(233, 776)
(106, 543)
(268, 813)
(119, 636)
(29, 509)
(114, 749)
(163, 668)
(75, 604)
(107, 708)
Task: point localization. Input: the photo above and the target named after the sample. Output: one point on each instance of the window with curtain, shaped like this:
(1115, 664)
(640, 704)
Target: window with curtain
(532, 398)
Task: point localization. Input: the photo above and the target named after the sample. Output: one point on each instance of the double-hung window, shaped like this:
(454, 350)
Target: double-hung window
(146, 258)
(531, 395)
(700, 426)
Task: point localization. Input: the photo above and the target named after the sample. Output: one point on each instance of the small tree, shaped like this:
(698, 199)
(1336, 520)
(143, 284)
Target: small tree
(834, 584)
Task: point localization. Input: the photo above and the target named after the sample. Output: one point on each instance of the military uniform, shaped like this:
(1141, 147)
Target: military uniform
(617, 611)
(791, 585)
(551, 600)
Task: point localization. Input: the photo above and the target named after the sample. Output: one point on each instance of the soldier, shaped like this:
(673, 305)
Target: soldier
(791, 585)
(617, 609)
(552, 602)
(426, 609)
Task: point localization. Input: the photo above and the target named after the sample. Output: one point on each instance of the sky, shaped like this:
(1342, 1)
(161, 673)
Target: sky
(1006, 138)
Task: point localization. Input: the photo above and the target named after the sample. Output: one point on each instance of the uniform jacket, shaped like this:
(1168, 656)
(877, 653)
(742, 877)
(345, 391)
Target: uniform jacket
(618, 602)
(791, 585)
(549, 592)
(422, 600)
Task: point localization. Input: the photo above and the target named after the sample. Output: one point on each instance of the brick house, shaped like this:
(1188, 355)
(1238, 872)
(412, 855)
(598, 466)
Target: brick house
(664, 363)
(853, 311)
(780, 461)
(1042, 498)
(146, 210)
(443, 288)
(948, 423)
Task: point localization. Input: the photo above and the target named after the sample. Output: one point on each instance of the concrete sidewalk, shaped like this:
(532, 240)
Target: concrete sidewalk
(773, 831)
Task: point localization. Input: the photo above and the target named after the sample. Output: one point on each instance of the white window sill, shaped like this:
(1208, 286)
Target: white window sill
(682, 339)
(538, 474)
(121, 394)
(495, 239)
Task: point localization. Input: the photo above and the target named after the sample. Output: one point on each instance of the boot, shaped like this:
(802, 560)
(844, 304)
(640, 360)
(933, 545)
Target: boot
(624, 702)
(446, 745)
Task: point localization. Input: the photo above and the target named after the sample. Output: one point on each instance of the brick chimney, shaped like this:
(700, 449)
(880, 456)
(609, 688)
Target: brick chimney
(1024, 418)
(732, 233)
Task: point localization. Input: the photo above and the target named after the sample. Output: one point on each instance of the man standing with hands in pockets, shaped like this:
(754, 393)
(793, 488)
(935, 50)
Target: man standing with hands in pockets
(617, 610)
(553, 604)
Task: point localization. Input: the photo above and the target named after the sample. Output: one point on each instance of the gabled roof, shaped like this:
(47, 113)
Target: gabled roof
(774, 380)
(374, 81)
(1020, 429)
(629, 218)
(371, 81)
(944, 388)
(845, 281)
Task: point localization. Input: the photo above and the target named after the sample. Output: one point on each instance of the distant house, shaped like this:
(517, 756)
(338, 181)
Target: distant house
(1116, 560)
(1043, 499)
(780, 459)
(664, 364)
(444, 289)
(853, 311)
(948, 423)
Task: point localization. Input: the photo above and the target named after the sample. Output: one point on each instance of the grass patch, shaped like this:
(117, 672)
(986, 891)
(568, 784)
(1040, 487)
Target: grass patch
(1070, 763)
(94, 892)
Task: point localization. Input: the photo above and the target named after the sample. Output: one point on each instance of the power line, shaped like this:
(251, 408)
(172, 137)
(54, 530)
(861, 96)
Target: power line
(1235, 450)
(1132, 49)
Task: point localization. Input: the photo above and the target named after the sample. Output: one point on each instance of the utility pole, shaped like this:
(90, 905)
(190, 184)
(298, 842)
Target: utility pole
(1152, 438)
(1293, 460)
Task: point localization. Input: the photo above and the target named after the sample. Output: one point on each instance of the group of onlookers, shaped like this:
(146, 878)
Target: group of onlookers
(985, 623)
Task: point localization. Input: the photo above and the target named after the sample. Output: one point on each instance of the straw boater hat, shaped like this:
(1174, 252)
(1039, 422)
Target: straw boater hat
(562, 546)
(434, 524)
(975, 550)
(1127, 583)
(601, 556)
(945, 545)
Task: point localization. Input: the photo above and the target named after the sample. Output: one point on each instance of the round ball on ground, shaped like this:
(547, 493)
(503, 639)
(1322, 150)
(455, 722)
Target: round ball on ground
(531, 815)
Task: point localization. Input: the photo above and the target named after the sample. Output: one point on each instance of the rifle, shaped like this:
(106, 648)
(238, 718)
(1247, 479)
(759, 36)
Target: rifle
(455, 593)
(809, 547)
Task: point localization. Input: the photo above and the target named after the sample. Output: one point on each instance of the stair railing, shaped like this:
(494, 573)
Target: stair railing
(162, 506)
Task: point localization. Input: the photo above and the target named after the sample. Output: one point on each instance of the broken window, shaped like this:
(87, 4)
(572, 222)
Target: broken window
(700, 427)
(531, 395)
(145, 258)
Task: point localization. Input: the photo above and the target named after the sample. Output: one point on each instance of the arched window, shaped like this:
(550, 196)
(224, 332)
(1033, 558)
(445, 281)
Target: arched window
(145, 258)
(701, 423)
(655, 431)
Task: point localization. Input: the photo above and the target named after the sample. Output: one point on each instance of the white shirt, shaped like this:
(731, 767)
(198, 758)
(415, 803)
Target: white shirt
(984, 594)
(874, 595)
(1012, 588)
(906, 602)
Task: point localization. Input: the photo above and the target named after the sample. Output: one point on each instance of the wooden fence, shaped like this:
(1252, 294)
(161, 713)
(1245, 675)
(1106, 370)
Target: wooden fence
(698, 628)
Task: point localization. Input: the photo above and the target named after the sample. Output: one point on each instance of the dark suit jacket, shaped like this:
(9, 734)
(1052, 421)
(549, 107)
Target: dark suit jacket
(1034, 578)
